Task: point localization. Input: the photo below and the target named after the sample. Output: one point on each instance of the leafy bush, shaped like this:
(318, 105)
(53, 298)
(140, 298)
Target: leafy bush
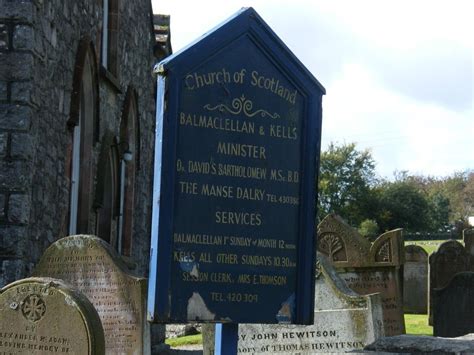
(369, 229)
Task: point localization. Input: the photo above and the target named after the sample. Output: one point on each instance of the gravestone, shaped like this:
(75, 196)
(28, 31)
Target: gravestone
(46, 316)
(343, 321)
(453, 314)
(92, 266)
(421, 344)
(468, 237)
(450, 258)
(367, 268)
(415, 280)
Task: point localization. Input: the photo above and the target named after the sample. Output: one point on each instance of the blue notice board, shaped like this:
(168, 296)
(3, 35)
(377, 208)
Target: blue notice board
(236, 159)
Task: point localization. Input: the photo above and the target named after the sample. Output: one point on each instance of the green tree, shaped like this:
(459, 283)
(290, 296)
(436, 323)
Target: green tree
(345, 179)
(438, 201)
(459, 188)
(403, 205)
(439, 210)
(369, 228)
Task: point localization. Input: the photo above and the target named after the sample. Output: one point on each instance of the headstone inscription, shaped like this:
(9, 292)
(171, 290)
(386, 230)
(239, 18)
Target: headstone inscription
(450, 258)
(366, 267)
(453, 314)
(343, 321)
(415, 280)
(46, 316)
(93, 267)
(232, 210)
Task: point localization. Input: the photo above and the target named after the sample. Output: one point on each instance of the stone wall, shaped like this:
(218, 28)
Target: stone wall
(39, 43)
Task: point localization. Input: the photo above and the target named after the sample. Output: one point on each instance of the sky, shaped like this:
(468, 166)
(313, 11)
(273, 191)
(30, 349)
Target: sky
(399, 75)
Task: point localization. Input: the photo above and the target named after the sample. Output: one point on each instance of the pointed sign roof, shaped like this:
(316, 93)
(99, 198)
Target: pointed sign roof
(245, 22)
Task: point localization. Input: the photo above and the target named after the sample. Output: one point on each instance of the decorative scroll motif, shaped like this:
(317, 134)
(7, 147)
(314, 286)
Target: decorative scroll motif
(33, 308)
(330, 244)
(383, 254)
(239, 105)
(318, 271)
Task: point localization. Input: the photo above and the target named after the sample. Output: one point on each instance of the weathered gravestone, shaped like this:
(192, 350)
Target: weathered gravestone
(421, 344)
(366, 267)
(415, 280)
(91, 265)
(343, 321)
(450, 258)
(45, 316)
(468, 237)
(453, 314)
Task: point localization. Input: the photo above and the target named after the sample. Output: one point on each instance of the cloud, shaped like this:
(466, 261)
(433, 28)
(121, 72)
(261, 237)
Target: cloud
(399, 75)
(401, 132)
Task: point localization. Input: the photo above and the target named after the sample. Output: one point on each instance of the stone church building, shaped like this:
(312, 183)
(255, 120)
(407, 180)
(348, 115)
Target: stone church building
(77, 116)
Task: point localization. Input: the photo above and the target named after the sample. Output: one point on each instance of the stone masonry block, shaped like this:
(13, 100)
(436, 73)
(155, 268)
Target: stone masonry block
(19, 209)
(17, 10)
(14, 241)
(21, 92)
(23, 37)
(21, 146)
(16, 66)
(15, 175)
(4, 38)
(3, 91)
(3, 144)
(15, 117)
(12, 270)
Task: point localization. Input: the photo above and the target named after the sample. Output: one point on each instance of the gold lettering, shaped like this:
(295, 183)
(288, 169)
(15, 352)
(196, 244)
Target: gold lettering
(191, 238)
(274, 280)
(277, 175)
(188, 187)
(199, 277)
(184, 256)
(223, 258)
(246, 172)
(273, 85)
(198, 167)
(221, 277)
(223, 191)
(241, 150)
(217, 123)
(250, 194)
(242, 218)
(205, 258)
(244, 279)
(256, 260)
(196, 81)
(284, 132)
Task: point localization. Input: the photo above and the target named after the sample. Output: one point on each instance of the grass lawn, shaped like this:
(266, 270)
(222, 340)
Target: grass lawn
(429, 245)
(417, 324)
(186, 340)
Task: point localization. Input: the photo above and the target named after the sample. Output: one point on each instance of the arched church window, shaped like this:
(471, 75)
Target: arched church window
(129, 154)
(83, 123)
(106, 196)
(110, 27)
